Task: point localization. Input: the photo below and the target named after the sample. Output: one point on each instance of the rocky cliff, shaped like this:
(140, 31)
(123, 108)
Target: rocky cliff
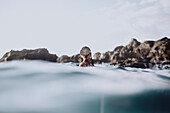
(135, 54)
(139, 55)
(37, 54)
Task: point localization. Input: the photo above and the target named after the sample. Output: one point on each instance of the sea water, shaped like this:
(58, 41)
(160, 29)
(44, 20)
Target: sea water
(39, 86)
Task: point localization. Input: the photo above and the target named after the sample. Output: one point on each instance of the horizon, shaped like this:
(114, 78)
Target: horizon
(64, 27)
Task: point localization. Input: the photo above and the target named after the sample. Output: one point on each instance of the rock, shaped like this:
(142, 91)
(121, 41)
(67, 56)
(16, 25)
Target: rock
(64, 59)
(37, 54)
(142, 55)
(126, 55)
(97, 58)
(148, 54)
(116, 52)
(160, 52)
(144, 48)
(133, 45)
(106, 57)
(136, 65)
(76, 58)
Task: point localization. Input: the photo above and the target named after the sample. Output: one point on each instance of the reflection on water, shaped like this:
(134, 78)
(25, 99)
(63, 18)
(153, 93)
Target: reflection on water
(37, 86)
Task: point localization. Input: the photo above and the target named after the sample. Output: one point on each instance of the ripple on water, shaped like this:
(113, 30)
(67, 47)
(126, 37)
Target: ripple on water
(37, 86)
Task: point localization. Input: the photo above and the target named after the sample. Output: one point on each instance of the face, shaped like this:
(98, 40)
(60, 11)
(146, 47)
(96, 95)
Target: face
(87, 57)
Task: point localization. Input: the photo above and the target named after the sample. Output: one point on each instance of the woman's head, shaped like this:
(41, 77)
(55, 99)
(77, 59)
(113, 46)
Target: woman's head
(85, 51)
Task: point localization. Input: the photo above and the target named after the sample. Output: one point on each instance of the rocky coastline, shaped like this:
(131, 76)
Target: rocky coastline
(136, 54)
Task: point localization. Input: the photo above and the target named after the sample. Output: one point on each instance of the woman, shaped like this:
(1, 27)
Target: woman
(85, 53)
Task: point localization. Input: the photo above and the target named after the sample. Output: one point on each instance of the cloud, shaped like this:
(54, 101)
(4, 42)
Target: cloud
(144, 19)
(63, 27)
(143, 2)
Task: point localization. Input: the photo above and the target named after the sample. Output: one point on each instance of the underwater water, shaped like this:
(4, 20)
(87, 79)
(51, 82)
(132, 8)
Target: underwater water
(39, 86)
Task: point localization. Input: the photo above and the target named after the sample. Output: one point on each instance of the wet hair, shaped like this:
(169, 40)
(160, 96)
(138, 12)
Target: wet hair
(85, 51)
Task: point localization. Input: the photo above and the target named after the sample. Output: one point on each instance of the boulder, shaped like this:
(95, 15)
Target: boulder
(64, 59)
(136, 54)
(37, 54)
(106, 57)
(76, 58)
(97, 58)
(160, 52)
(126, 55)
(133, 45)
(142, 55)
(144, 49)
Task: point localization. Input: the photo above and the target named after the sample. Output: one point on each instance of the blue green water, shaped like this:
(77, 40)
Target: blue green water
(38, 86)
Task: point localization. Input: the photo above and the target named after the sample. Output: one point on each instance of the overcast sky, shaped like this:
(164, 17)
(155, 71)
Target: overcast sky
(64, 26)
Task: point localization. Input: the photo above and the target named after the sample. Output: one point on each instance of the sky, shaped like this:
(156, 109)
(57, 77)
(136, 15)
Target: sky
(64, 26)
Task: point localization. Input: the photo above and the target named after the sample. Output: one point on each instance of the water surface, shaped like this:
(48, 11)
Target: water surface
(38, 86)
